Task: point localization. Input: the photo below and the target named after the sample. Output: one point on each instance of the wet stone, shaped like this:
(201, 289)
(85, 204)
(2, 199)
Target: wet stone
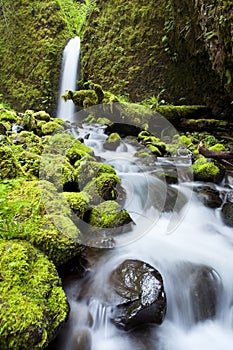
(138, 294)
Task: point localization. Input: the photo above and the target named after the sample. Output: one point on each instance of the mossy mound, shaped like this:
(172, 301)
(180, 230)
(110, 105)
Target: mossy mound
(109, 214)
(207, 171)
(78, 202)
(10, 168)
(112, 142)
(104, 187)
(33, 303)
(37, 213)
(89, 170)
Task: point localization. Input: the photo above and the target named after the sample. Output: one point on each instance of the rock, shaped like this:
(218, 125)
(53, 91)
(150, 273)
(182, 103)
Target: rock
(87, 170)
(207, 171)
(78, 202)
(81, 339)
(105, 187)
(175, 200)
(44, 219)
(112, 142)
(209, 196)
(109, 214)
(123, 129)
(33, 303)
(10, 167)
(205, 286)
(227, 213)
(137, 294)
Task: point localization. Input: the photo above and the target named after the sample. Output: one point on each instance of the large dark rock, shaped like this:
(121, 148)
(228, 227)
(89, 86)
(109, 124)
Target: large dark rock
(209, 196)
(227, 213)
(138, 294)
(205, 286)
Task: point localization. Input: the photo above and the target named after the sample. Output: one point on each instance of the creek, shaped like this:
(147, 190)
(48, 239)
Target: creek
(185, 241)
(176, 242)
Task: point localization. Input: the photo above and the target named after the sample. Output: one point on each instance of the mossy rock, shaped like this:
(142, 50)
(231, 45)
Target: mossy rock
(218, 147)
(10, 167)
(78, 202)
(112, 142)
(42, 115)
(78, 151)
(109, 214)
(207, 171)
(8, 116)
(154, 144)
(89, 170)
(51, 127)
(59, 171)
(82, 98)
(105, 187)
(37, 213)
(33, 303)
(30, 163)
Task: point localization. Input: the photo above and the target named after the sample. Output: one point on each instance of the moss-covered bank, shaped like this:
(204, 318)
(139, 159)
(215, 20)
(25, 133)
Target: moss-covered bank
(180, 48)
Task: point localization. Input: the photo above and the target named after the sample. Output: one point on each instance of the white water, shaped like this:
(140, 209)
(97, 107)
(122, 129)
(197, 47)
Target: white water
(69, 77)
(198, 237)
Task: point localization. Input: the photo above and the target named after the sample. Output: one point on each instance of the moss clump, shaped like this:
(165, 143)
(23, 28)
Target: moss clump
(218, 147)
(104, 187)
(89, 170)
(51, 128)
(42, 115)
(33, 304)
(57, 170)
(112, 142)
(205, 171)
(34, 211)
(10, 168)
(154, 144)
(78, 202)
(8, 115)
(109, 214)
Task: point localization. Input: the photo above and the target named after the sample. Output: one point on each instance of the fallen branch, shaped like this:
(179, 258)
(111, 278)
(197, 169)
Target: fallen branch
(224, 157)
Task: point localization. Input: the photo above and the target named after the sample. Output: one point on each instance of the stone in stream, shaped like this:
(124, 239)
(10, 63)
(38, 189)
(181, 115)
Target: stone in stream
(205, 287)
(138, 295)
(227, 213)
(81, 339)
(209, 196)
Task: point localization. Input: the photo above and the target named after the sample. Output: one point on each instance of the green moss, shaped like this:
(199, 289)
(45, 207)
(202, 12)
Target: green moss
(205, 171)
(109, 214)
(78, 202)
(104, 187)
(112, 142)
(42, 115)
(33, 304)
(59, 171)
(217, 147)
(89, 170)
(51, 127)
(10, 168)
(8, 115)
(34, 211)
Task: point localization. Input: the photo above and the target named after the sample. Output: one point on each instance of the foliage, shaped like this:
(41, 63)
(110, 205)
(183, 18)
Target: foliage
(74, 14)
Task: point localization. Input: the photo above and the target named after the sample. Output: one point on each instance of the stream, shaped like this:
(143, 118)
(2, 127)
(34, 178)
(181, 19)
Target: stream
(178, 242)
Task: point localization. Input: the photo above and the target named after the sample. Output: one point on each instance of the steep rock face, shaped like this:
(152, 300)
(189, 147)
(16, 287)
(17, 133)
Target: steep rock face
(139, 51)
(33, 35)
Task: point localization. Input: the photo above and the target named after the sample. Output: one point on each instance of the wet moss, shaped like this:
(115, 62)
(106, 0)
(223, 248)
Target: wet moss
(112, 142)
(204, 170)
(33, 304)
(109, 214)
(78, 202)
(10, 168)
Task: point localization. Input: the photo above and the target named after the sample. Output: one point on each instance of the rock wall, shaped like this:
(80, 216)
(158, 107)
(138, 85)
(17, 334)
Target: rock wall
(33, 35)
(181, 46)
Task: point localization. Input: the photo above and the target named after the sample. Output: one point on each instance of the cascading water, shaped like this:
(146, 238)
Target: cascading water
(198, 249)
(69, 77)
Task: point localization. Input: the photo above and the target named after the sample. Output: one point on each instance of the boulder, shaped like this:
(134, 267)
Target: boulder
(227, 213)
(209, 196)
(33, 303)
(138, 295)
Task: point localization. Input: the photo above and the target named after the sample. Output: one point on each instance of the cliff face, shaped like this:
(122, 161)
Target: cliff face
(32, 39)
(140, 48)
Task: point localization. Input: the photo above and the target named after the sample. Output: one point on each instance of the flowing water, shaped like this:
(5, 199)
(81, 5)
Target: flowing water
(174, 242)
(69, 76)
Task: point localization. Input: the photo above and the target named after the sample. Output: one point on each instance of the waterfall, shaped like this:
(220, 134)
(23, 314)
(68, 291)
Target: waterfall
(69, 76)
